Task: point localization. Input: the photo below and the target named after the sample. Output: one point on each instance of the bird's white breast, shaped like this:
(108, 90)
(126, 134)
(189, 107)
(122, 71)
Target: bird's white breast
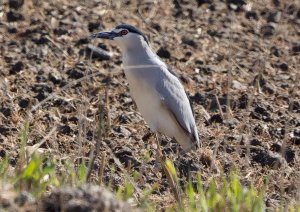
(145, 96)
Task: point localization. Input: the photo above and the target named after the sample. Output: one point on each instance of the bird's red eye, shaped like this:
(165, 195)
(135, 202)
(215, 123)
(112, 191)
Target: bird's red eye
(124, 32)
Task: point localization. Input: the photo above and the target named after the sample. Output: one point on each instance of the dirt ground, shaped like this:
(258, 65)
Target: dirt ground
(238, 60)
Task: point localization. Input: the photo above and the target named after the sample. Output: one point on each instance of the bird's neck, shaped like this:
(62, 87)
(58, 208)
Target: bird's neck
(141, 54)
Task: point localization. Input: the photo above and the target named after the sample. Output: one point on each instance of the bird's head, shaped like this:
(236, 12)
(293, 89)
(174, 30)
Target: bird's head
(125, 35)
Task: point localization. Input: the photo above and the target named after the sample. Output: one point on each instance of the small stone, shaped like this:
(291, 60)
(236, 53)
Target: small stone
(163, 53)
(125, 156)
(267, 30)
(5, 111)
(60, 31)
(93, 26)
(74, 73)
(261, 112)
(296, 49)
(276, 3)
(43, 90)
(12, 30)
(275, 51)
(264, 158)
(255, 142)
(15, 4)
(198, 98)
(284, 67)
(24, 102)
(55, 77)
(268, 88)
(231, 122)
(189, 41)
(235, 4)
(251, 15)
(123, 131)
(237, 85)
(17, 67)
(295, 140)
(243, 101)
(13, 16)
(274, 17)
(216, 118)
(4, 130)
(65, 129)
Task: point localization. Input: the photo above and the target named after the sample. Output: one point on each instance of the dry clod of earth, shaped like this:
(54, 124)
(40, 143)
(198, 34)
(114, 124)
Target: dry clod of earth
(238, 60)
(83, 199)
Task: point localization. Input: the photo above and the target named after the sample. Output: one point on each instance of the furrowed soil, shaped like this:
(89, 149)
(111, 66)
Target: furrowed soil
(238, 60)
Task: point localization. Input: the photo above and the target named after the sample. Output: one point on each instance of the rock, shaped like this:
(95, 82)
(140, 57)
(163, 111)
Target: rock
(268, 88)
(231, 122)
(289, 154)
(6, 111)
(123, 131)
(15, 4)
(12, 30)
(213, 105)
(251, 15)
(268, 30)
(295, 140)
(261, 112)
(13, 16)
(276, 2)
(198, 98)
(86, 198)
(126, 157)
(75, 73)
(283, 67)
(17, 67)
(235, 4)
(243, 101)
(82, 41)
(295, 106)
(65, 129)
(4, 130)
(296, 49)
(216, 118)
(94, 26)
(124, 119)
(60, 31)
(43, 91)
(24, 197)
(147, 136)
(237, 85)
(274, 17)
(255, 142)
(189, 41)
(156, 26)
(24, 102)
(186, 166)
(275, 51)
(200, 2)
(266, 158)
(163, 53)
(55, 77)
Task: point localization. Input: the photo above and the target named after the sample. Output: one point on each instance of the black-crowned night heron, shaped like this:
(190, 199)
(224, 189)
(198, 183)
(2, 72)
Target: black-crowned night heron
(158, 93)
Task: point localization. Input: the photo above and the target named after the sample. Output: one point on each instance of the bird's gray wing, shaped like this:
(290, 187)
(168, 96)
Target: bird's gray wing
(174, 98)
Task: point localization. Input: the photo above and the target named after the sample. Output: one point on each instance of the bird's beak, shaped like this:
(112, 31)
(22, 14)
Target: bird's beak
(104, 35)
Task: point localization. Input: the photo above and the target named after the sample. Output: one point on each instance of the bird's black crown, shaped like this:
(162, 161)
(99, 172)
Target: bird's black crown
(132, 29)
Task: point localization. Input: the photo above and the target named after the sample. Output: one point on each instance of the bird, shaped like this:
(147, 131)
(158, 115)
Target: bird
(157, 91)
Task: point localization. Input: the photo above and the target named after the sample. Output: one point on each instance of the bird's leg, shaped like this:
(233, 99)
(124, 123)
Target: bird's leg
(162, 159)
(160, 156)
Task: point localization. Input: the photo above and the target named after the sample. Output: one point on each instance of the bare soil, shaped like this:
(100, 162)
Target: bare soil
(238, 60)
